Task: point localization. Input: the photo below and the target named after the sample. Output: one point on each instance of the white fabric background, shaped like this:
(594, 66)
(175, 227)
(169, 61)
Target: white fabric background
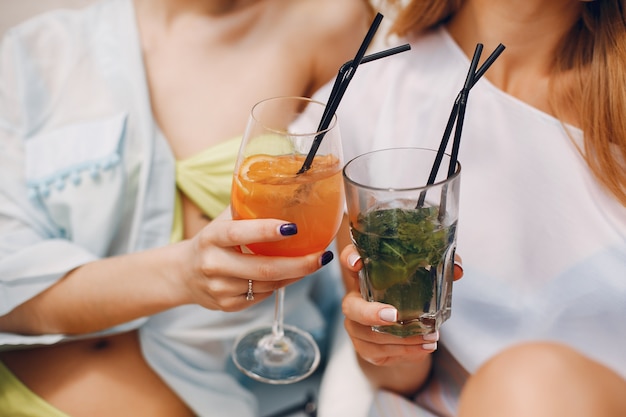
(13, 12)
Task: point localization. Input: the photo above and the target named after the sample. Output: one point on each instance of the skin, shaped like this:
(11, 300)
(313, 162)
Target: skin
(192, 46)
(201, 58)
(543, 380)
(531, 30)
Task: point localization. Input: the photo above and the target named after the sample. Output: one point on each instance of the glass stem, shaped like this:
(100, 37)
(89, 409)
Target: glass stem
(277, 327)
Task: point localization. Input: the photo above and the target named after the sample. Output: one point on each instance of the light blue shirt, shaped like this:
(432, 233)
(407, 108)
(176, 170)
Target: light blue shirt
(84, 175)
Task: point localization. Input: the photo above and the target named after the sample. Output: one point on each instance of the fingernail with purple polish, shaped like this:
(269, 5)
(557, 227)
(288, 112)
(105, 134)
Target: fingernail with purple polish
(327, 257)
(288, 229)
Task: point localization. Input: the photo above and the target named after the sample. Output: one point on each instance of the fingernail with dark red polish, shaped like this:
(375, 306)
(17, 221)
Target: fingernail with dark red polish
(327, 257)
(288, 229)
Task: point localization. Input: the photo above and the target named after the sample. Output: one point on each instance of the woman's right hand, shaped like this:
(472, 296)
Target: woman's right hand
(394, 363)
(216, 273)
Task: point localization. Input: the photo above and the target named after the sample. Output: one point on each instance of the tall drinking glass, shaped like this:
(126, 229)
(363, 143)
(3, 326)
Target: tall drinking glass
(405, 232)
(266, 184)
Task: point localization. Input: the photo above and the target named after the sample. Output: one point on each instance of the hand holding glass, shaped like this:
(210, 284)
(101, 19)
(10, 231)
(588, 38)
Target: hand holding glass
(278, 137)
(405, 232)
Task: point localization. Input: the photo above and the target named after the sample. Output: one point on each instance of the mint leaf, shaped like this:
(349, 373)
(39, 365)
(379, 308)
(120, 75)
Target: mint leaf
(400, 248)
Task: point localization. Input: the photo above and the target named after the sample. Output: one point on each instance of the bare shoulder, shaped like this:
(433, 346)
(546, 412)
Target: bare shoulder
(327, 32)
(321, 20)
(339, 15)
(333, 17)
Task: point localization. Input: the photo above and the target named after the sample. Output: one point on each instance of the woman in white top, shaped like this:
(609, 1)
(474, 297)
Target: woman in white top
(538, 318)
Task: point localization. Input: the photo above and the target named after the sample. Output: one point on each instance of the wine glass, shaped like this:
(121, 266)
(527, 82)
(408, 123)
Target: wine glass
(266, 184)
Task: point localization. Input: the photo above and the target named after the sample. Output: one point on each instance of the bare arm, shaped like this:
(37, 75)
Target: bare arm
(207, 270)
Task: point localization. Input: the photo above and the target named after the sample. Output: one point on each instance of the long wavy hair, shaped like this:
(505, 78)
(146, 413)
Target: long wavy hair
(593, 54)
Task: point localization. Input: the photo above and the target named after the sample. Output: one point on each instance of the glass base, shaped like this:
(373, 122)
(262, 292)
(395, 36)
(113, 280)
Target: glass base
(425, 324)
(284, 361)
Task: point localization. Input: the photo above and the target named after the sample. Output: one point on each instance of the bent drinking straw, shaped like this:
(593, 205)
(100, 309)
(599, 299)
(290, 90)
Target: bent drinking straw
(452, 119)
(337, 92)
(460, 118)
(339, 88)
(333, 102)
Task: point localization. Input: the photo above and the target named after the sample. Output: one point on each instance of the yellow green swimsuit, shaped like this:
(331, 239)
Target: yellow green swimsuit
(206, 180)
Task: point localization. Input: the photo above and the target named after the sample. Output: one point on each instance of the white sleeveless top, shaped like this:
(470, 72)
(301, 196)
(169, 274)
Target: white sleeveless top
(543, 245)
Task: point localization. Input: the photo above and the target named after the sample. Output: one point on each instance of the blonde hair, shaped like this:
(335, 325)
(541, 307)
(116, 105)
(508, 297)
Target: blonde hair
(593, 55)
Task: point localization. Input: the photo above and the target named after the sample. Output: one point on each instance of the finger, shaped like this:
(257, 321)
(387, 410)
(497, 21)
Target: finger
(265, 268)
(367, 313)
(259, 290)
(241, 302)
(231, 294)
(228, 233)
(366, 334)
(364, 314)
(458, 267)
(262, 286)
(387, 355)
(385, 349)
(350, 258)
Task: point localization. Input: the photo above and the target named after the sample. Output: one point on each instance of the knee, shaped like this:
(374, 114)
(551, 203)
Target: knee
(539, 379)
(524, 371)
(529, 361)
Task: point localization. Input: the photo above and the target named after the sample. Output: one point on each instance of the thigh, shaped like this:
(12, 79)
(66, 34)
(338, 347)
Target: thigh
(543, 379)
(92, 378)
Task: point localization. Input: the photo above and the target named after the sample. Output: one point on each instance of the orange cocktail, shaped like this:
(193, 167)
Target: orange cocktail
(282, 133)
(268, 187)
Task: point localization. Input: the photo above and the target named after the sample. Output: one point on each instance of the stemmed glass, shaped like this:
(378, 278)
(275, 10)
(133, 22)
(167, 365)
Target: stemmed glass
(266, 184)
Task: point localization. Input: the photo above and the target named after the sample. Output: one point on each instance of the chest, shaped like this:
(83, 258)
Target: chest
(202, 94)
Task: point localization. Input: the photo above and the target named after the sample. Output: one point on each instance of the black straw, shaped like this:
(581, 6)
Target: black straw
(336, 94)
(471, 80)
(341, 83)
(460, 118)
(461, 112)
(384, 54)
(490, 60)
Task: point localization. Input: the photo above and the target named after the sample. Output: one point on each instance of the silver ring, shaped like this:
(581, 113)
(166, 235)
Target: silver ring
(250, 295)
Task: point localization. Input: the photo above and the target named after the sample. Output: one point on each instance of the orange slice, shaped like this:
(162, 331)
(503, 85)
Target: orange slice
(261, 168)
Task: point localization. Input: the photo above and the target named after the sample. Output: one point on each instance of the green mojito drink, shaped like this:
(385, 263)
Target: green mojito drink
(404, 227)
(404, 252)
